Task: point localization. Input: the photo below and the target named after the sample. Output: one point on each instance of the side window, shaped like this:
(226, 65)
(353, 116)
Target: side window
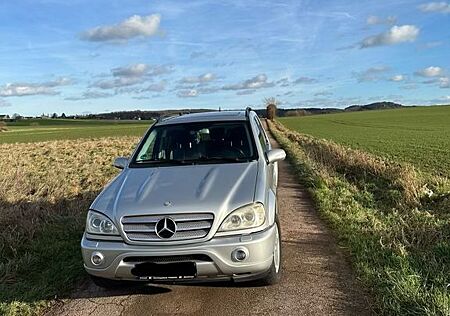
(262, 141)
(262, 136)
(147, 149)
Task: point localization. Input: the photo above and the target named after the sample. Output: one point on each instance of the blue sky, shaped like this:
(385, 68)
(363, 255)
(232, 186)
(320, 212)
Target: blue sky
(82, 56)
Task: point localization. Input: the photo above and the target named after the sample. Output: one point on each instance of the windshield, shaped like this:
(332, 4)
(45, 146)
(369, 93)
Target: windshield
(205, 142)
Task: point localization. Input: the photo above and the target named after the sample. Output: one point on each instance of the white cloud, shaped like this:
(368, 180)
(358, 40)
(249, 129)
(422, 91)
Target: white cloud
(395, 35)
(117, 83)
(26, 89)
(62, 81)
(187, 93)
(131, 75)
(207, 77)
(432, 44)
(376, 20)
(197, 54)
(134, 26)
(371, 74)
(444, 82)
(207, 90)
(136, 70)
(283, 82)
(286, 82)
(441, 7)
(140, 70)
(430, 72)
(409, 87)
(323, 93)
(398, 78)
(90, 94)
(305, 80)
(158, 70)
(245, 92)
(257, 82)
(156, 87)
(4, 103)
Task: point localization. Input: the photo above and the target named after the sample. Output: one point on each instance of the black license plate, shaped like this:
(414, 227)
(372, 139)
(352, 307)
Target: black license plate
(165, 270)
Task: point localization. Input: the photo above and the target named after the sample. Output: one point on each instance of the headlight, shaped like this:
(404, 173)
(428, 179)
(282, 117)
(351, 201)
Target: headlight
(97, 223)
(249, 216)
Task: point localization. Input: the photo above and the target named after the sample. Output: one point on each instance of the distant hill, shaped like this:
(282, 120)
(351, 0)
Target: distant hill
(373, 106)
(142, 115)
(281, 112)
(147, 115)
(314, 111)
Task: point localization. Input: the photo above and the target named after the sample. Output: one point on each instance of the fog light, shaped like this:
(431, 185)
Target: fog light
(239, 254)
(97, 258)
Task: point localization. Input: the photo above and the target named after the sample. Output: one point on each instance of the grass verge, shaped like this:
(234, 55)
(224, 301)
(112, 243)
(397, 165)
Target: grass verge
(45, 191)
(394, 220)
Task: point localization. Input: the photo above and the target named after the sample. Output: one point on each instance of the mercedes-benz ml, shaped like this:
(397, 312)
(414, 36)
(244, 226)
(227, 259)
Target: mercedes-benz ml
(195, 202)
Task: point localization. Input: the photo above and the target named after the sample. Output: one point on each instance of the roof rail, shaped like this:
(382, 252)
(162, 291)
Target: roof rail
(247, 112)
(165, 118)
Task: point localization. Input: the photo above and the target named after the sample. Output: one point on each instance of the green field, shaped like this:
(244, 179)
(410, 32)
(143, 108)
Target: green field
(419, 135)
(37, 130)
(396, 233)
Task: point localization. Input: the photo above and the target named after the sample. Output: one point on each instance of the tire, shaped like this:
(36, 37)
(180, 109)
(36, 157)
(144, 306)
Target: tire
(107, 283)
(274, 274)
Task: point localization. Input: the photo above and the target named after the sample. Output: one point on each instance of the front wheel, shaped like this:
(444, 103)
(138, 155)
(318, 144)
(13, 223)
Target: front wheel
(274, 274)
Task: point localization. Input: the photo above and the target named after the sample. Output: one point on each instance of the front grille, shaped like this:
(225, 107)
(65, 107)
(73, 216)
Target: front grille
(189, 226)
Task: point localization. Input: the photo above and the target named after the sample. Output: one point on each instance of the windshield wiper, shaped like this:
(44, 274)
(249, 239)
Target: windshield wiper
(216, 159)
(193, 161)
(165, 161)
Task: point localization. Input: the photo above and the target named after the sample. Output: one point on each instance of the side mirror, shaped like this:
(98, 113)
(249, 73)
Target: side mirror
(120, 162)
(275, 155)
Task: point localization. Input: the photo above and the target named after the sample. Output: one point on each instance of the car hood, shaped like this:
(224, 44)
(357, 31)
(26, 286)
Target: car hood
(212, 188)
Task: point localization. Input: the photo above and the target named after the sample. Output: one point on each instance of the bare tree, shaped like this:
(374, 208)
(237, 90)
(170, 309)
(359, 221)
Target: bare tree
(271, 108)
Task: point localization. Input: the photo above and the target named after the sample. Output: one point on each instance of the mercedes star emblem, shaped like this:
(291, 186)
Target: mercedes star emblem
(165, 228)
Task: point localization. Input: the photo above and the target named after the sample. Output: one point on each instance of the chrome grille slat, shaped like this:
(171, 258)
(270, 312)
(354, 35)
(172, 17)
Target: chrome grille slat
(189, 226)
(175, 217)
(193, 225)
(141, 219)
(182, 235)
(143, 227)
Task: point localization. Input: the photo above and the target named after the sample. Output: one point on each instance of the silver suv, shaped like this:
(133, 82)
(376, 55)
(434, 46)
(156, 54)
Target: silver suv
(196, 202)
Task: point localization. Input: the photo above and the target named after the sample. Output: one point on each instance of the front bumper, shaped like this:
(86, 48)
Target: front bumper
(259, 248)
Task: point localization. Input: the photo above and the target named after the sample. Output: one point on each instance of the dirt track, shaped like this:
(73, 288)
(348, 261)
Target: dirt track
(317, 280)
